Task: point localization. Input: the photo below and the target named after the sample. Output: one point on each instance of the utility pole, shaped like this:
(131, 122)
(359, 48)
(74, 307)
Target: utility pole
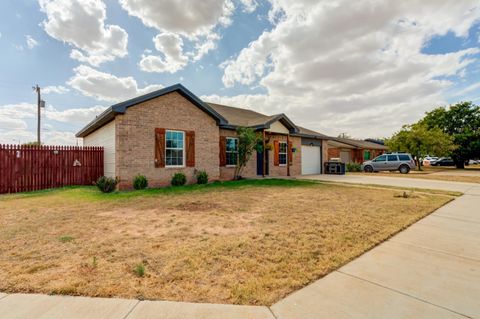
(40, 104)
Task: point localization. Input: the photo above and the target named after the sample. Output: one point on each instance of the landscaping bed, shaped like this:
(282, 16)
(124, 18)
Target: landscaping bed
(245, 242)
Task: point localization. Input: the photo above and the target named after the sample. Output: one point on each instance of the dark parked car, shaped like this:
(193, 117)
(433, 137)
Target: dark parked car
(444, 161)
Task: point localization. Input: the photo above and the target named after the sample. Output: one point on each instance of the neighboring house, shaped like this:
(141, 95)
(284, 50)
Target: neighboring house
(172, 130)
(354, 151)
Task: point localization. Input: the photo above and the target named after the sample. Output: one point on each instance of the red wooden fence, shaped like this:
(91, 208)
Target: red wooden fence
(27, 168)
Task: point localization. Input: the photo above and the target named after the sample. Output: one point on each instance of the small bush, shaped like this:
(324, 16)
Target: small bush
(202, 177)
(140, 182)
(65, 239)
(139, 270)
(106, 184)
(179, 179)
(354, 167)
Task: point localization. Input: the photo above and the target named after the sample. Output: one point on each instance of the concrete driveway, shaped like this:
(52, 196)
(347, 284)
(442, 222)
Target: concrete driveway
(430, 270)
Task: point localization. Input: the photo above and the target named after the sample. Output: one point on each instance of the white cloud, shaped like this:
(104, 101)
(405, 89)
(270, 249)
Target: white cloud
(31, 42)
(171, 45)
(59, 89)
(192, 20)
(105, 86)
(249, 5)
(14, 127)
(357, 67)
(81, 23)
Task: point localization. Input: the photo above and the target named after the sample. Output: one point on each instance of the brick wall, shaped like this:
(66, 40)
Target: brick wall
(136, 140)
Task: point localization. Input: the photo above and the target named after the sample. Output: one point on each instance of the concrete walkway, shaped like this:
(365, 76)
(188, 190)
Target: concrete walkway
(430, 270)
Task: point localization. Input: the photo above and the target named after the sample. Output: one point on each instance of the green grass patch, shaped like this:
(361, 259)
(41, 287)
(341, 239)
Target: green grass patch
(66, 239)
(91, 193)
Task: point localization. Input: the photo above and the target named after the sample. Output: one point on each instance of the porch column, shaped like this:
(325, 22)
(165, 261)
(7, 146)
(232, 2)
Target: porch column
(288, 154)
(264, 151)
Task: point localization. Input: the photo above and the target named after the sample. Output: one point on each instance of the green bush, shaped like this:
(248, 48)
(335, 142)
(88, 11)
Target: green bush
(202, 177)
(179, 179)
(106, 184)
(140, 182)
(139, 270)
(354, 167)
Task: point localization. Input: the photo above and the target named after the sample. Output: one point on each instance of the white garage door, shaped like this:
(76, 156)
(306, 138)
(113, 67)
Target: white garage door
(310, 159)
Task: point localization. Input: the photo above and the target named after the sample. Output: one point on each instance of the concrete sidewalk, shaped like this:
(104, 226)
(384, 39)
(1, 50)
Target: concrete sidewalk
(430, 270)
(33, 306)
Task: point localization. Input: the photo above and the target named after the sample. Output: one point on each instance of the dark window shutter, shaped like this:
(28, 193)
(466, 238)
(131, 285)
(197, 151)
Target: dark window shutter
(290, 153)
(223, 151)
(276, 150)
(190, 151)
(159, 147)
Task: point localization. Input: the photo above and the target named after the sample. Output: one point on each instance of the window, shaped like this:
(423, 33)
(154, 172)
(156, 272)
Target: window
(174, 148)
(381, 158)
(282, 153)
(232, 151)
(404, 157)
(392, 158)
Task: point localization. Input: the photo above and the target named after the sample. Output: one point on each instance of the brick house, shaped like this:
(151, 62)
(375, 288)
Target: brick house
(353, 151)
(172, 130)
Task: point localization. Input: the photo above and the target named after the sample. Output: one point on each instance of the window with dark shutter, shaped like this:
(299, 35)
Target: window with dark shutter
(159, 147)
(190, 144)
(276, 153)
(223, 151)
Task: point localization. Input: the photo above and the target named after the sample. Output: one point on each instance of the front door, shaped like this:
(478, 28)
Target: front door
(260, 163)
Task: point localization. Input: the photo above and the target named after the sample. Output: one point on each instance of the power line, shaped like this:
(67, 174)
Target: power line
(40, 104)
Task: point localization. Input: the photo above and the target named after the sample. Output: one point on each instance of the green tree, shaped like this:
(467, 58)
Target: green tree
(419, 140)
(462, 122)
(248, 142)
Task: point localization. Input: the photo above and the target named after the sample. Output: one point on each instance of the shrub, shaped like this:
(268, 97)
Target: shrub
(139, 270)
(354, 167)
(65, 239)
(179, 179)
(106, 184)
(202, 177)
(140, 182)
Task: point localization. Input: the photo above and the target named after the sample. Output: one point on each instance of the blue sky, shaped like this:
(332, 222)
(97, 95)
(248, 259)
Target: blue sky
(329, 66)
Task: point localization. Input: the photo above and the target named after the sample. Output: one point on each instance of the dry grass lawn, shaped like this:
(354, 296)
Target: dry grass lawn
(249, 242)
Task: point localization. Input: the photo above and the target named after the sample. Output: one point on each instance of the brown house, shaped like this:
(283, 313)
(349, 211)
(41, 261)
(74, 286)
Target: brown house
(354, 151)
(171, 130)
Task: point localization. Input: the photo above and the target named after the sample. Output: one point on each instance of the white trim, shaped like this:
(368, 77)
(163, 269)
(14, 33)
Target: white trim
(286, 153)
(171, 148)
(227, 151)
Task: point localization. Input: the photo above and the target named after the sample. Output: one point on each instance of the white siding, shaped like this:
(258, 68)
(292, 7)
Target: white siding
(278, 127)
(104, 136)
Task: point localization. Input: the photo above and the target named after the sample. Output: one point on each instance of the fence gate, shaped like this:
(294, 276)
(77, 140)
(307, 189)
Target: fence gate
(27, 168)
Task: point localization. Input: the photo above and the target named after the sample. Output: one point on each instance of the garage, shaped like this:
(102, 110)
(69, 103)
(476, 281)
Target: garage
(311, 159)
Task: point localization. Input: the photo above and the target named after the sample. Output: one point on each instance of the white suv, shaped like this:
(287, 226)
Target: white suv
(402, 162)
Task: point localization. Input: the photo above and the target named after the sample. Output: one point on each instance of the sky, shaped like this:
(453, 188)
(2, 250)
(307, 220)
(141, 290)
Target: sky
(363, 68)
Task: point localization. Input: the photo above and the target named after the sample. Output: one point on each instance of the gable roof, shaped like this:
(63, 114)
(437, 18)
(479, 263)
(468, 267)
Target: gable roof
(360, 143)
(236, 116)
(305, 132)
(120, 108)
